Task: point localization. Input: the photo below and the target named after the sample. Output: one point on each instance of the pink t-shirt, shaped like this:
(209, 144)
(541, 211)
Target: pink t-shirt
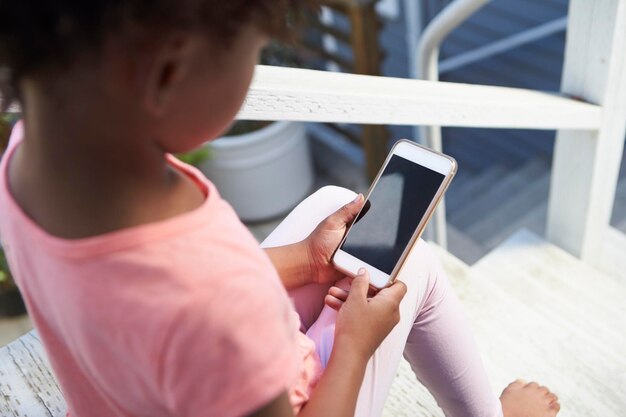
(182, 317)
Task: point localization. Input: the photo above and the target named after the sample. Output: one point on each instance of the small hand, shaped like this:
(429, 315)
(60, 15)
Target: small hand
(323, 241)
(338, 293)
(363, 322)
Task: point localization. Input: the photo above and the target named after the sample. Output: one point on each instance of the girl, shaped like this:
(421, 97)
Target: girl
(149, 295)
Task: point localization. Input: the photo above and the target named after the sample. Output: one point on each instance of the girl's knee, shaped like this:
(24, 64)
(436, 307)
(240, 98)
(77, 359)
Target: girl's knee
(424, 265)
(438, 285)
(305, 217)
(332, 193)
(323, 203)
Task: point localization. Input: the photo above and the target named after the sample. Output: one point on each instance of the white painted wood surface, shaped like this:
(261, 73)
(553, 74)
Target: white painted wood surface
(320, 96)
(586, 164)
(546, 316)
(27, 386)
(538, 313)
(297, 94)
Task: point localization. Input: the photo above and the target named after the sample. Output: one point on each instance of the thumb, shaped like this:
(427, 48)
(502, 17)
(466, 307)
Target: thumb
(346, 213)
(360, 285)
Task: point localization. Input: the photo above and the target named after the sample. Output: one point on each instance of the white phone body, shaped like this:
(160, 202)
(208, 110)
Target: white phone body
(399, 204)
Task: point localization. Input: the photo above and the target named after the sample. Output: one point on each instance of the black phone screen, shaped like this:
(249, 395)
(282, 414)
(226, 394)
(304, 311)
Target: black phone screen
(392, 213)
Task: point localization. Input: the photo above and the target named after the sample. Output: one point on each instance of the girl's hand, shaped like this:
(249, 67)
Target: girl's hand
(362, 322)
(323, 241)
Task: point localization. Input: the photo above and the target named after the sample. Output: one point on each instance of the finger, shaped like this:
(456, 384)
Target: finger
(333, 302)
(338, 293)
(360, 285)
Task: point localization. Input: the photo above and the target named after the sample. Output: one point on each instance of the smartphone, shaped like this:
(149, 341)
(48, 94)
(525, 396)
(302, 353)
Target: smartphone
(398, 206)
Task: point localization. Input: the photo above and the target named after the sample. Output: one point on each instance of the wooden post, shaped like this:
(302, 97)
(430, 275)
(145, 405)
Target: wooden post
(365, 26)
(586, 163)
(5, 133)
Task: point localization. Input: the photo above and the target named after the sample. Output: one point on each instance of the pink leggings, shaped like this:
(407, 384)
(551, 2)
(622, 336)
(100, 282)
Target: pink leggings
(433, 333)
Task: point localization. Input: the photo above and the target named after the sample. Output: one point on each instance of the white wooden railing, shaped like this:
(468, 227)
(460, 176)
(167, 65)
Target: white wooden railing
(590, 115)
(319, 96)
(586, 163)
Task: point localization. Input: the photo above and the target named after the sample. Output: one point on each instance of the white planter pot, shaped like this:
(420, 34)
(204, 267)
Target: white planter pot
(264, 173)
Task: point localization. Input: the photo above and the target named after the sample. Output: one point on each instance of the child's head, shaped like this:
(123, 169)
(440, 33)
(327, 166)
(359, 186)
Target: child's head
(174, 62)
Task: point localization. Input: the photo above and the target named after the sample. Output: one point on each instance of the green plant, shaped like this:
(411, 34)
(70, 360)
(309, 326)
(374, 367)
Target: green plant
(6, 280)
(5, 131)
(195, 157)
(11, 302)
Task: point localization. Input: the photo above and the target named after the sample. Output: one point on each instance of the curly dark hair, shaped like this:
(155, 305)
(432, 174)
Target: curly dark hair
(38, 35)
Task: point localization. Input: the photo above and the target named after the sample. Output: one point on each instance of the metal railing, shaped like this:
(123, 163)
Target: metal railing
(427, 68)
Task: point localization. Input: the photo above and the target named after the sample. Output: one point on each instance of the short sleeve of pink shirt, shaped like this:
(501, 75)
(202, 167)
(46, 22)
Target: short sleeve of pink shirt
(184, 317)
(236, 335)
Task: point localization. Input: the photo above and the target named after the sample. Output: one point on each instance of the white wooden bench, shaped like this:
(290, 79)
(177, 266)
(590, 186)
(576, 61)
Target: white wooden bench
(27, 386)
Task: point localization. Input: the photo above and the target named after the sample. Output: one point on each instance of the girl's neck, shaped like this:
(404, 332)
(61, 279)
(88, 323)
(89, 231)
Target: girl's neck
(89, 136)
(88, 158)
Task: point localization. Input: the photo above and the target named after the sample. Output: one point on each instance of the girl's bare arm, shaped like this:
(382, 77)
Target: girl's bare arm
(309, 261)
(362, 324)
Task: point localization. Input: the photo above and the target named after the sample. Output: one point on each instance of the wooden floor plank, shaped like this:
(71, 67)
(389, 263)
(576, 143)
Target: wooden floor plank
(463, 246)
(511, 214)
(482, 204)
(563, 311)
(27, 387)
(457, 198)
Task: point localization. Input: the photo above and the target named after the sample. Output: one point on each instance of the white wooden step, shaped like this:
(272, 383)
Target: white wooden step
(27, 387)
(562, 299)
(540, 314)
(548, 316)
